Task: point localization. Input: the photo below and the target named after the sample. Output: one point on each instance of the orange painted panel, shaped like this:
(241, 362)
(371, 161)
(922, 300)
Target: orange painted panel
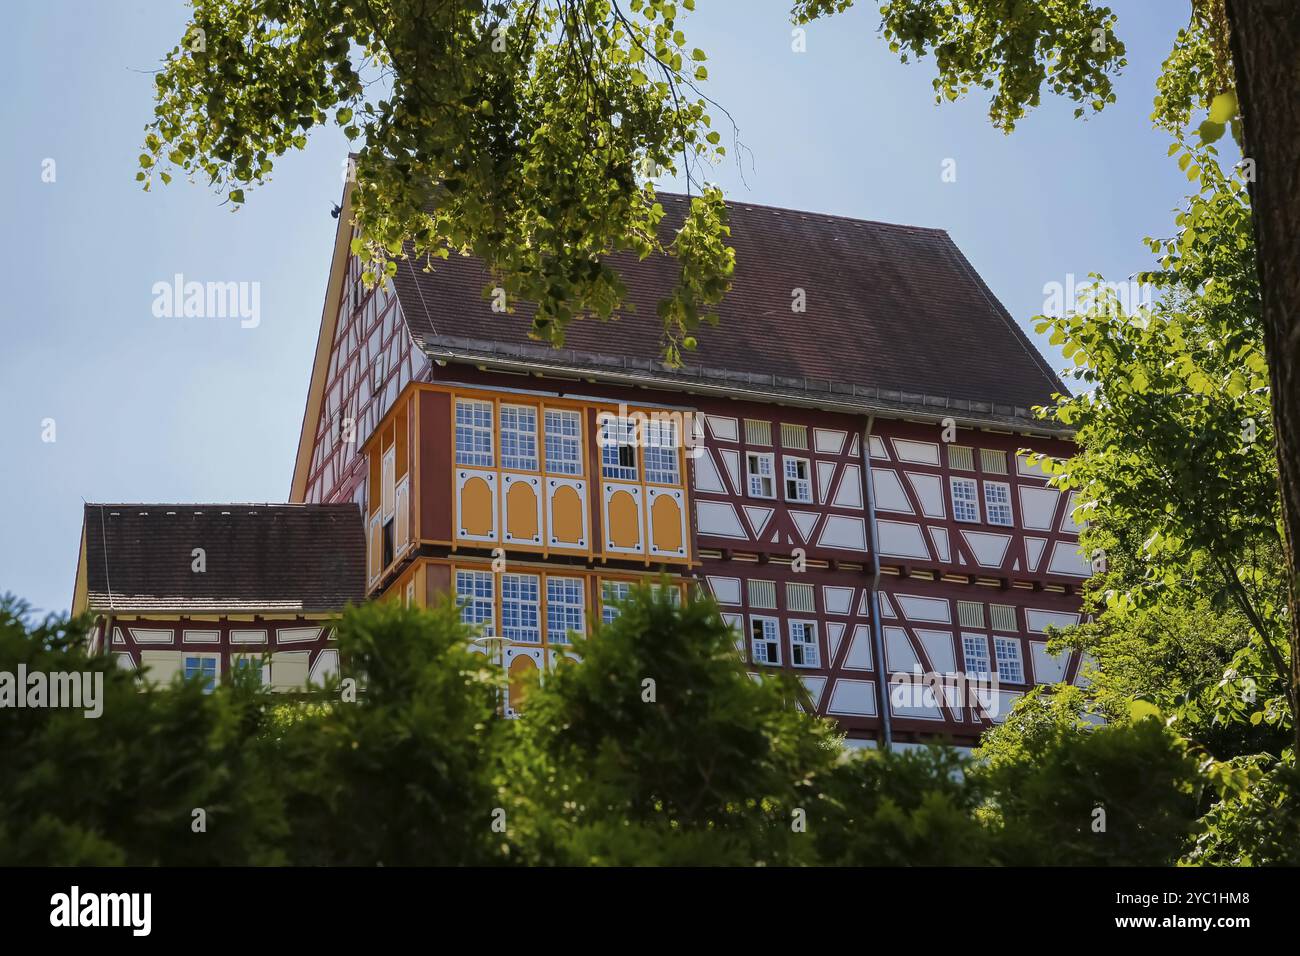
(520, 668)
(566, 515)
(476, 507)
(623, 530)
(666, 522)
(521, 511)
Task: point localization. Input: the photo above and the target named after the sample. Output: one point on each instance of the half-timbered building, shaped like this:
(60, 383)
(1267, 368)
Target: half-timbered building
(842, 465)
(198, 590)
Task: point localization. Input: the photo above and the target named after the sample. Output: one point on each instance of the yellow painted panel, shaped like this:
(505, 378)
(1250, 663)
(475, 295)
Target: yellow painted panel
(666, 520)
(162, 666)
(476, 507)
(566, 515)
(521, 511)
(289, 670)
(520, 668)
(623, 530)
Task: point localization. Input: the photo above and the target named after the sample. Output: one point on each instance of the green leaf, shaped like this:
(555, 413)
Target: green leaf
(1223, 107)
(1142, 709)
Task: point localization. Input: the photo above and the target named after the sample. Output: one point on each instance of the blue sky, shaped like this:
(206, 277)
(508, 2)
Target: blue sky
(179, 410)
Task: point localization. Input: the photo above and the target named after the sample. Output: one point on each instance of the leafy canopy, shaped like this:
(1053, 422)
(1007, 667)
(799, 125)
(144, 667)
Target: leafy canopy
(517, 131)
(1014, 48)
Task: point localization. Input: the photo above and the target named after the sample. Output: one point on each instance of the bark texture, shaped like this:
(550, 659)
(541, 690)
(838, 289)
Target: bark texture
(1266, 60)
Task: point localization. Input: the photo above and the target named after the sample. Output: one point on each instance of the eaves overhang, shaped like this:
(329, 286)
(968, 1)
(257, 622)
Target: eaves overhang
(823, 394)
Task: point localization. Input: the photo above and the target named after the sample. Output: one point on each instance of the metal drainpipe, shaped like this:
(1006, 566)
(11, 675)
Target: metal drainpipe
(877, 641)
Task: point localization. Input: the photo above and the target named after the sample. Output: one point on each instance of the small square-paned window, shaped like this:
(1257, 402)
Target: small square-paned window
(758, 432)
(618, 448)
(565, 601)
(204, 668)
(961, 458)
(799, 597)
(674, 593)
(993, 462)
(251, 664)
(798, 486)
(762, 482)
(765, 640)
(563, 442)
(613, 594)
(519, 437)
(661, 466)
(975, 649)
(997, 503)
(965, 504)
(803, 644)
(794, 436)
(762, 593)
(474, 433)
(520, 616)
(1010, 667)
(474, 594)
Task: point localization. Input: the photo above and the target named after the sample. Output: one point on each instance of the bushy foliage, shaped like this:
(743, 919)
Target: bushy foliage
(911, 808)
(124, 787)
(656, 748)
(399, 772)
(1115, 794)
(659, 747)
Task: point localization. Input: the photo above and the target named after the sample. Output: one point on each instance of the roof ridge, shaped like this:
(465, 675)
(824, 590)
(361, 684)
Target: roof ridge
(810, 212)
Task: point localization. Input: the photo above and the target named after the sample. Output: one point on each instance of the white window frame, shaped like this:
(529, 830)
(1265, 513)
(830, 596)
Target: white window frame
(1010, 660)
(805, 648)
(253, 660)
(521, 611)
(958, 504)
(994, 511)
(751, 475)
(968, 659)
(518, 438)
(674, 593)
(662, 465)
(476, 597)
(770, 640)
(618, 435)
(187, 656)
(563, 441)
(613, 593)
(802, 486)
(566, 608)
(472, 429)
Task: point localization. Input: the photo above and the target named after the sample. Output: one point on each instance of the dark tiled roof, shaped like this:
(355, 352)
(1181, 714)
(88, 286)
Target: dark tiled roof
(259, 557)
(889, 308)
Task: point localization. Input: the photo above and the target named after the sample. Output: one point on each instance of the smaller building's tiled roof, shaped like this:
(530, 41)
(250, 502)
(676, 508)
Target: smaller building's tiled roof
(258, 558)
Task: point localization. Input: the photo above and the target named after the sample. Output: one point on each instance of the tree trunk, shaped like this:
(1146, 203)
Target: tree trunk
(1266, 59)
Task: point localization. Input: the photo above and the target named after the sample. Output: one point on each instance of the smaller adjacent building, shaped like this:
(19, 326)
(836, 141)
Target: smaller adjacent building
(200, 589)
